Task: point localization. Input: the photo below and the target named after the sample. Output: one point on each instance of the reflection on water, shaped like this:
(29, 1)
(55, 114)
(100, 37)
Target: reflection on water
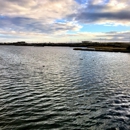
(59, 88)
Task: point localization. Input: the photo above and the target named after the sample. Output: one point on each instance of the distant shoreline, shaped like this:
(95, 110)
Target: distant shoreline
(76, 44)
(106, 49)
(84, 46)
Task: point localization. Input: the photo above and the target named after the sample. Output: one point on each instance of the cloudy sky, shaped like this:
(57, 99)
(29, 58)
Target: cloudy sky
(64, 20)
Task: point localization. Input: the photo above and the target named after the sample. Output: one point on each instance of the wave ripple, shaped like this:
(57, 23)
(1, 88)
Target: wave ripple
(51, 88)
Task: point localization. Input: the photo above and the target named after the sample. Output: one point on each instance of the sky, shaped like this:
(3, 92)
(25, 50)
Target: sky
(64, 20)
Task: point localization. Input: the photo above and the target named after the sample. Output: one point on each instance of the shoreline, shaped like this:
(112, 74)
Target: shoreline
(104, 49)
(84, 46)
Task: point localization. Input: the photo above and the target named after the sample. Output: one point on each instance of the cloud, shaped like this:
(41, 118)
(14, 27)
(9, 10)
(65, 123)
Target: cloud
(62, 37)
(113, 36)
(83, 11)
(36, 16)
(39, 19)
(103, 12)
(101, 37)
(89, 17)
(33, 25)
(30, 29)
(46, 9)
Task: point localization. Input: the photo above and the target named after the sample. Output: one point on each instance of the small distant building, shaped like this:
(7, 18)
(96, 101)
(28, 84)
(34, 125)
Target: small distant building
(86, 41)
(21, 42)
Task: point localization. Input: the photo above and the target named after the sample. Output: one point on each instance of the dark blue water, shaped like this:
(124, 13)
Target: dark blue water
(55, 88)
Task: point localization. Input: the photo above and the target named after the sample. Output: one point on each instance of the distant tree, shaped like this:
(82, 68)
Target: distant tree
(128, 48)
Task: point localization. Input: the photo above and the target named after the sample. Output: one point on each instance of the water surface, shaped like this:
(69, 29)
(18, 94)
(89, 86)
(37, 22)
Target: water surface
(58, 88)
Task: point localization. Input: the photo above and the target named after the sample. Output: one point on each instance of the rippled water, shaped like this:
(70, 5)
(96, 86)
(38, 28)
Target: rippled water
(58, 88)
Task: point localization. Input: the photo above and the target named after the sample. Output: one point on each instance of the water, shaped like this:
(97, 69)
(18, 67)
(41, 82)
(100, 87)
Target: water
(54, 88)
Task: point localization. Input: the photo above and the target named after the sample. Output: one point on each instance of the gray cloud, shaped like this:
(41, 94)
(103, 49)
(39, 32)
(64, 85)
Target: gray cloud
(36, 16)
(96, 16)
(40, 17)
(102, 13)
(33, 25)
(114, 36)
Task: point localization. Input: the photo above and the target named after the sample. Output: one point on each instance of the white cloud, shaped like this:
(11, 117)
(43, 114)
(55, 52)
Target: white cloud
(36, 19)
(64, 37)
(104, 12)
(38, 9)
(37, 16)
